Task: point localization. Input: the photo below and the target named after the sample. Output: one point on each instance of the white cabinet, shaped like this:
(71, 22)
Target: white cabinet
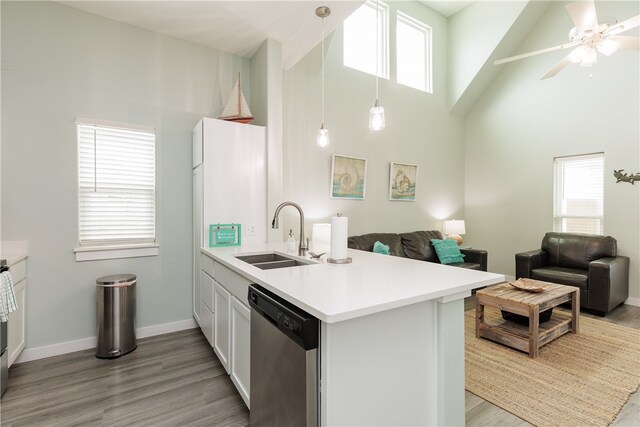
(206, 305)
(17, 321)
(197, 240)
(206, 322)
(225, 319)
(221, 325)
(240, 348)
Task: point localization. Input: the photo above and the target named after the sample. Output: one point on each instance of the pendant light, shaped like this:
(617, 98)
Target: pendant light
(323, 133)
(376, 114)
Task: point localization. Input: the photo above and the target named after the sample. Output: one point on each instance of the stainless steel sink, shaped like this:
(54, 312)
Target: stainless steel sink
(271, 260)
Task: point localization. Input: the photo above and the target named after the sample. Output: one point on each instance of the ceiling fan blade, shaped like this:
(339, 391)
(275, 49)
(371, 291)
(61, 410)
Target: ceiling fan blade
(537, 52)
(627, 42)
(555, 70)
(583, 14)
(623, 26)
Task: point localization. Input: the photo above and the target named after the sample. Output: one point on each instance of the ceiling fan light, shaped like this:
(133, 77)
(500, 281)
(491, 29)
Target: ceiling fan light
(577, 55)
(608, 46)
(590, 58)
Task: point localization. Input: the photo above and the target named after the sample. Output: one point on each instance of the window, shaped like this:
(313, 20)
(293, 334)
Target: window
(579, 194)
(413, 44)
(116, 183)
(360, 43)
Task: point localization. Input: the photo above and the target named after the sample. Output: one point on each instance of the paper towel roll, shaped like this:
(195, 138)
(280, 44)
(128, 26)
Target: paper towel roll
(339, 233)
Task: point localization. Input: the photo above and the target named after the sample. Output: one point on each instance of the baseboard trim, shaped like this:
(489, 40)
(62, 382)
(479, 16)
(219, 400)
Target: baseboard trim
(35, 353)
(633, 301)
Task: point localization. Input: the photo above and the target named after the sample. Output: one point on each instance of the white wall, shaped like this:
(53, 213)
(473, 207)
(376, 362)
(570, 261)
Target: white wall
(474, 33)
(266, 105)
(59, 63)
(521, 123)
(419, 129)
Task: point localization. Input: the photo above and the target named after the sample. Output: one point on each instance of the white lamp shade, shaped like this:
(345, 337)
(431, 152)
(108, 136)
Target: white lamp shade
(453, 226)
(321, 233)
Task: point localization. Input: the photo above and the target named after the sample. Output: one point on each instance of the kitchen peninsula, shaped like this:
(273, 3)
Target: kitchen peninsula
(391, 333)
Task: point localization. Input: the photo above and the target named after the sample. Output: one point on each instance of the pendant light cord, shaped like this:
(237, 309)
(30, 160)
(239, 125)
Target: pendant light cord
(322, 95)
(377, 48)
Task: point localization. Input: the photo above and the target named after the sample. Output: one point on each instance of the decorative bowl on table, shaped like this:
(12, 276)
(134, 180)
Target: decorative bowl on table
(530, 285)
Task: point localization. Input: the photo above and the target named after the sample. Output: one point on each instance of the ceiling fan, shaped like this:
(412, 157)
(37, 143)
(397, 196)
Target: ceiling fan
(588, 37)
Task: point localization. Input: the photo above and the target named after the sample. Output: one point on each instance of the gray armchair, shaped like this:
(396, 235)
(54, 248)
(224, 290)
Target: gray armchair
(587, 261)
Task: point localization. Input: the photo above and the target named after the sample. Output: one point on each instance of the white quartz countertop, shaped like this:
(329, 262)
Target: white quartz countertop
(13, 251)
(371, 283)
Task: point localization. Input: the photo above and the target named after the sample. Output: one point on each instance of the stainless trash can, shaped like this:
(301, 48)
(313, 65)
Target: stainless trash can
(116, 315)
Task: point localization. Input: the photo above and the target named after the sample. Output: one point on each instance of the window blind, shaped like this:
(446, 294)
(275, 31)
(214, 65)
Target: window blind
(579, 194)
(116, 177)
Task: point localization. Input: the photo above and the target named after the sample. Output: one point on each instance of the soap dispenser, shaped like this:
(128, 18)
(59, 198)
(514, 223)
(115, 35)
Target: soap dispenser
(291, 242)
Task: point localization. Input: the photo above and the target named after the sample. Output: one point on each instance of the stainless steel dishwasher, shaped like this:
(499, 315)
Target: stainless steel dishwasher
(284, 362)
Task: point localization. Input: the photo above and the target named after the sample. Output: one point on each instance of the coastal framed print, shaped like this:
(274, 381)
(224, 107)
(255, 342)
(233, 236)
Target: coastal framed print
(348, 177)
(402, 181)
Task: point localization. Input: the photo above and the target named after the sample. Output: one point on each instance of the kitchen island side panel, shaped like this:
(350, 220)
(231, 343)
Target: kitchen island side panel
(381, 361)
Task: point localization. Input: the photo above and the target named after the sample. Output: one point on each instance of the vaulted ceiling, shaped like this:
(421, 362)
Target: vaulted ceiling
(237, 27)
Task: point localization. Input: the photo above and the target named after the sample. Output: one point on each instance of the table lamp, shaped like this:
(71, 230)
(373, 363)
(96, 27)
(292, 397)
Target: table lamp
(453, 229)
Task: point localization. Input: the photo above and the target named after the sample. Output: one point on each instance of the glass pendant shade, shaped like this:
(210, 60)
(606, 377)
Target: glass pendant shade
(586, 56)
(323, 137)
(376, 117)
(577, 54)
(608, 46)
(590, 57)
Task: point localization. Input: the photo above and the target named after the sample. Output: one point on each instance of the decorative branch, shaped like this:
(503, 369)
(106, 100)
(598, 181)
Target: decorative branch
(625, 177)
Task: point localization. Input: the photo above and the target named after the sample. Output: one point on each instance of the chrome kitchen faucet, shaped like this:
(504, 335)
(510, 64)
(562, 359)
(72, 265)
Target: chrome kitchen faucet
(302, 248)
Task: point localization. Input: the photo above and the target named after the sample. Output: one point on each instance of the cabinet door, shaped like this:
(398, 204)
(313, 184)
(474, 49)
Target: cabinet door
(240, 348)
(206, 322)
(206, 291)
(222, 326)
(197, 241)
(15, 328)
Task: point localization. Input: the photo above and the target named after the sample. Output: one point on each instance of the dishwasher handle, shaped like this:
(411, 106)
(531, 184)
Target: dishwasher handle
(294, 322)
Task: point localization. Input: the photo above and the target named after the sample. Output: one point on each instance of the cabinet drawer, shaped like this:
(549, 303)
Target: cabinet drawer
(236, 284)
(206, 290)
(206, 264)
(206, 322)
(19, 271)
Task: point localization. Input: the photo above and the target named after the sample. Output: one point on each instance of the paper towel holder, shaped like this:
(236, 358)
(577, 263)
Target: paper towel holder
(346, 260)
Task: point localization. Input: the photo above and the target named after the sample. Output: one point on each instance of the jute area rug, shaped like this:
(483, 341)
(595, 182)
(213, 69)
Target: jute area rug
(576, 380)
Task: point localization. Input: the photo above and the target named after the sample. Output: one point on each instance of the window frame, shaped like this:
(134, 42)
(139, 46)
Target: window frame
(99, 249)
(558, 216)
(383, 47)
(427, 31)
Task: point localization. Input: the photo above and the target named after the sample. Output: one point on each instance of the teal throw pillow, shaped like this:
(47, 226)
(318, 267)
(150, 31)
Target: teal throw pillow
(447, 251)
(381, 248)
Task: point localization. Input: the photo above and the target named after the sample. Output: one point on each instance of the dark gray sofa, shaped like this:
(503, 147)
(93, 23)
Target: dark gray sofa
(417, 245)
(587, 261)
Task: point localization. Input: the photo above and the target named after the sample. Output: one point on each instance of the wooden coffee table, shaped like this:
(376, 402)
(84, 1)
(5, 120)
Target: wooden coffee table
(506, 297)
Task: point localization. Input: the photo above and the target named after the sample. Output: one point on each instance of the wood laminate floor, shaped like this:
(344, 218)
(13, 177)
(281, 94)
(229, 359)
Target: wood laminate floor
(169, 380)
(176, 380)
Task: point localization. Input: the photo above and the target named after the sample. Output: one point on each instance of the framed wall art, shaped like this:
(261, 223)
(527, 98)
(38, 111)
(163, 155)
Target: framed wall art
(348, 177)
(402, 181)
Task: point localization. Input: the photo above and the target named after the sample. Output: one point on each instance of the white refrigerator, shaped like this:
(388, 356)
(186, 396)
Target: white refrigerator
(229, 185)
